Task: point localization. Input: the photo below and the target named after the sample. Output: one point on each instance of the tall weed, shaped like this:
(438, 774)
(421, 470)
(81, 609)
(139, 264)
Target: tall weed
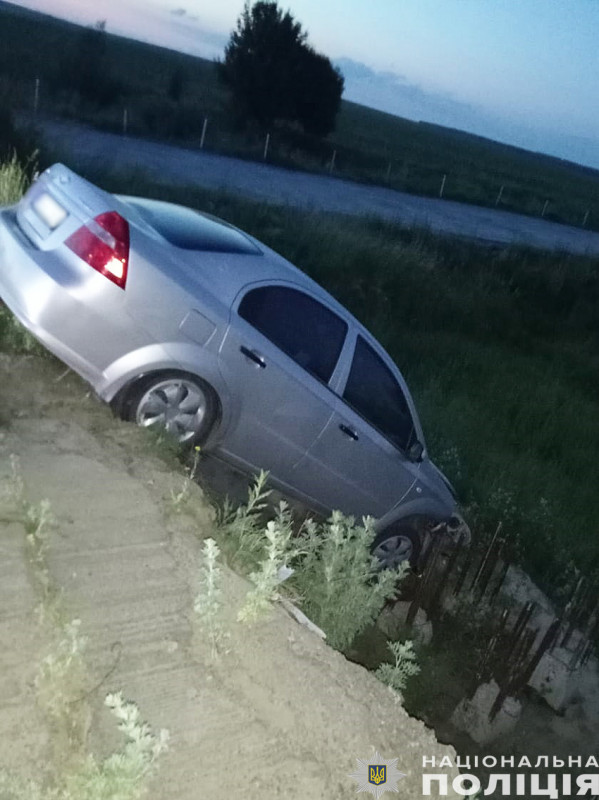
(279, 552)
(14, 180)
(208, 601)
(341, 586)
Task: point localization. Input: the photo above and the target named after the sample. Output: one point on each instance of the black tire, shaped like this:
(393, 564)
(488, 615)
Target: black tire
(398, 543)
(181, 404)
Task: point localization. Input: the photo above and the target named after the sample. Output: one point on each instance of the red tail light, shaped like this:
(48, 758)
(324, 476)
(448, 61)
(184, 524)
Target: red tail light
(104, 244)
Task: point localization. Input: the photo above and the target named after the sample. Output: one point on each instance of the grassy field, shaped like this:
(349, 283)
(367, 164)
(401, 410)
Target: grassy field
(169, 95)
(499, 347)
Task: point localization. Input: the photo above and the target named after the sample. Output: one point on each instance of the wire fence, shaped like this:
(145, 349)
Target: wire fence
(189, 125)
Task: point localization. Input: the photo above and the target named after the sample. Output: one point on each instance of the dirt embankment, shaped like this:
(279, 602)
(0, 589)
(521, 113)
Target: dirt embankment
(278, 715)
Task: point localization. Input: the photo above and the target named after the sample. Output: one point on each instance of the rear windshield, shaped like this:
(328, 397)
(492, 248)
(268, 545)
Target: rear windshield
(192, 230)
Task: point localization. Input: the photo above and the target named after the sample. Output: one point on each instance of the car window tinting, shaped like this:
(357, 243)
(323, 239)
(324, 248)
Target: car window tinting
(375, 394)
(192, 230)
(308, 332)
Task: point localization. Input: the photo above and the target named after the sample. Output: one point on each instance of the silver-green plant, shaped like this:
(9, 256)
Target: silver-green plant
(122, 776)
(180, 498)
(278, 554)
(342, 587)
(396, 675)
(243, 527)
(208, 601)
(61, 679)
(14, 787)
(38, 521)
(17, 484)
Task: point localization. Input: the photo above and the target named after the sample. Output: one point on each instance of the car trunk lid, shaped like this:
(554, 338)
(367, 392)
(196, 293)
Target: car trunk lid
(57, 205)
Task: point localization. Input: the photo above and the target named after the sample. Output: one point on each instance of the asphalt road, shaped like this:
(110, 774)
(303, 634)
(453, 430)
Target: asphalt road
(316, 192)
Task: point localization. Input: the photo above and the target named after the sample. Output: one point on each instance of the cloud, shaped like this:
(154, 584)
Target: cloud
(391, 92)
(178, 12)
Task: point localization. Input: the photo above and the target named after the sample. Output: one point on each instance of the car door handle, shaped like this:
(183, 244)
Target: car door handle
(349, 432)
(253, 356)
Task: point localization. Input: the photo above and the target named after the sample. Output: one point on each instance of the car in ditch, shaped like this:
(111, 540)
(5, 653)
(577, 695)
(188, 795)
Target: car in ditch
(184, 322)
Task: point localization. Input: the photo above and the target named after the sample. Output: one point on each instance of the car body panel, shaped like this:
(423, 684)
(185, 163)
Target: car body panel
(298, 408)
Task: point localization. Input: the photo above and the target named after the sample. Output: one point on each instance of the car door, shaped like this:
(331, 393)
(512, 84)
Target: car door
(278, 356)
(359, 463)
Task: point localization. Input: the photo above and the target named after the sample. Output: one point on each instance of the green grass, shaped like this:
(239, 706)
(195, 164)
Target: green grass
(499, 347)
(13, 180)
(370, 145)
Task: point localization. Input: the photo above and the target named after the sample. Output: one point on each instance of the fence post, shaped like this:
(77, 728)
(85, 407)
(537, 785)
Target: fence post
(125, 121)
(266, 143)
(203, 136)
(36, 96)
(499, 196)
(442, 189)
(332, 164)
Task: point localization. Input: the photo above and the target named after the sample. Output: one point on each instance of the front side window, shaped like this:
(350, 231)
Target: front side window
(304, 329)
(375, 394)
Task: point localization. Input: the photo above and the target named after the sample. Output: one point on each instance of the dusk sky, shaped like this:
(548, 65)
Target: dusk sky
(522, 71)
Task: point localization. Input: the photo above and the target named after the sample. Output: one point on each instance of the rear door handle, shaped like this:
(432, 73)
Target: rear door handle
(253, 356)
(349, 432)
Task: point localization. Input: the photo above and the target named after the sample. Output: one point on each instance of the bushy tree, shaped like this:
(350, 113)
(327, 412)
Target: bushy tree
(318, 93)
(274, 74)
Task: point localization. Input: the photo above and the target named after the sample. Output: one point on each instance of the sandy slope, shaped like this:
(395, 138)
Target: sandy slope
(280, 715)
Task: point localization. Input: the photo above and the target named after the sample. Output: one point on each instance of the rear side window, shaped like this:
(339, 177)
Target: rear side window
(306, 330)
(191, 230)
(375, 394)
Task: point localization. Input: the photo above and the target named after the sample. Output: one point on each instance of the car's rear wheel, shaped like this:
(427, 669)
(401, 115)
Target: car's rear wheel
(184, 406)
(397, 544)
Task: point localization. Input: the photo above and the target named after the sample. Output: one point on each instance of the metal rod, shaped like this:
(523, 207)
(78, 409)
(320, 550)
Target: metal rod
(36, 96)
(465, 569)
(442, 582)
(485, 558)
(523, 618)
(546, 642)
(500, 580)
(203, 136)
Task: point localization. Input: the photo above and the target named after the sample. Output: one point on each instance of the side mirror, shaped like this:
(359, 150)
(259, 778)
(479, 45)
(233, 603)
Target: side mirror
(415, 451)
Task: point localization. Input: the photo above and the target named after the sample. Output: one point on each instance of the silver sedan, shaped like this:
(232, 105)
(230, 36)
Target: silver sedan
(181, 321)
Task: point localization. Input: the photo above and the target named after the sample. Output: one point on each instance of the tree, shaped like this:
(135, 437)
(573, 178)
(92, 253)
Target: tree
(318, 93)
(274, 75)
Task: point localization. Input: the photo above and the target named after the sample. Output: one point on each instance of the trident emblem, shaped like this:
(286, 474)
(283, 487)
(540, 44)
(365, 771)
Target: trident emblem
(377, 773)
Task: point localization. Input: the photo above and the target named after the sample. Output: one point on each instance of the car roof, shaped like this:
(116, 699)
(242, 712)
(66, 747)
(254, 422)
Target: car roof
(228, 270)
